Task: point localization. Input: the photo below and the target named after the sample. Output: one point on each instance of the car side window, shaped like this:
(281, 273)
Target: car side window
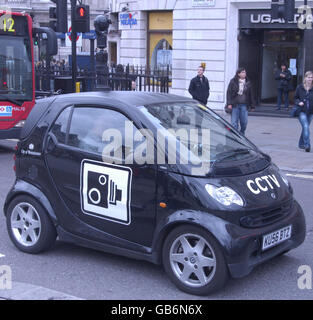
(60, 126)
(101, 131)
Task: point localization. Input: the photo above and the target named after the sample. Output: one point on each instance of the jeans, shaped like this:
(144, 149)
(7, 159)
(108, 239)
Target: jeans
(305, 120)
(239, 114)
(280, 93)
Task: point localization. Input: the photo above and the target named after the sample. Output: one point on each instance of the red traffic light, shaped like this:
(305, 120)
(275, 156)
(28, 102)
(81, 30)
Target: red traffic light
(81, 12)
(82, 18)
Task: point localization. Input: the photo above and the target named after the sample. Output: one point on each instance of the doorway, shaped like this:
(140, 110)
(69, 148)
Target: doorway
(261, 51)
(280, 46)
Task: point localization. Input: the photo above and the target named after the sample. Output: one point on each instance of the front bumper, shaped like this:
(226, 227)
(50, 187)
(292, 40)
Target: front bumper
(246, 252)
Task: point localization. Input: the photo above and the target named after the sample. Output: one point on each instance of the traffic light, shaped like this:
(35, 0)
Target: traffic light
(283, 9)
(53, 17)
(36, 40)
(82, 18)
(58, 16)
(289, 9)
(278, 9)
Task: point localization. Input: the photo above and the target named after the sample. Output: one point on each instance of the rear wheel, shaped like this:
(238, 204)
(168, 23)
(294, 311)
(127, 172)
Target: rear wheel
(194, 260)
(29, 225)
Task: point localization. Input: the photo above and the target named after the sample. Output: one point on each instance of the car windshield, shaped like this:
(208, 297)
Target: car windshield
(199, 136)
(15, 68)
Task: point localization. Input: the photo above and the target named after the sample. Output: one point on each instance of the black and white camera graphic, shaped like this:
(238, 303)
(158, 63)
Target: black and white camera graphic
(105, 190)
(102, 191)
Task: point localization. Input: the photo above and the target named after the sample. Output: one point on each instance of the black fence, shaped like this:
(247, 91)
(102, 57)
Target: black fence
(124, 78)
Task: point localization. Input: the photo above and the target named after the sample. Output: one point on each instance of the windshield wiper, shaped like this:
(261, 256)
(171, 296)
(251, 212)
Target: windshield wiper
(5, 98)
(232, 152)
(229, 154)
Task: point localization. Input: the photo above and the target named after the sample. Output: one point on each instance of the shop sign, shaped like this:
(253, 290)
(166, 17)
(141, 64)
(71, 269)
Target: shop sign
(127, 20)
(203, 3)
(256, 18)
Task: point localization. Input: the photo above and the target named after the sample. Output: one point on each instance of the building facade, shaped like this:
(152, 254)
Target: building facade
(219, 34)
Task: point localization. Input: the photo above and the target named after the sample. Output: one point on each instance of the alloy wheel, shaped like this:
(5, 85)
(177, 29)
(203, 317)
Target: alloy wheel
(192, 260)
(25, 224)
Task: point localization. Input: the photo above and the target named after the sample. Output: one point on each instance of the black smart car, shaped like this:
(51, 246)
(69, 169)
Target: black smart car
(150, 176)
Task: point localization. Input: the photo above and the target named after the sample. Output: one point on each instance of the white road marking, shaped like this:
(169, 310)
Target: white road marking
(2, 255)
(298, 175)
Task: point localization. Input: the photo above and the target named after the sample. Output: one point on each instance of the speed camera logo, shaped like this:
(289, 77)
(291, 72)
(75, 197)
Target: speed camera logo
(105, 191)
(99, 186)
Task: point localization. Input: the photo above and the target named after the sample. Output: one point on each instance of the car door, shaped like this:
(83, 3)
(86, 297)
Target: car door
(117, 199)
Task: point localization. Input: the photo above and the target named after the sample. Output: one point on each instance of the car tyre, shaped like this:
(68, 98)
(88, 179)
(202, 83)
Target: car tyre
(29, 226)
(194, 260)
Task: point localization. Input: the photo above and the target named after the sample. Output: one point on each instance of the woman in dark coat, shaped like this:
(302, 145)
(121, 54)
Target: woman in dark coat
(239, 98)
(304, 99)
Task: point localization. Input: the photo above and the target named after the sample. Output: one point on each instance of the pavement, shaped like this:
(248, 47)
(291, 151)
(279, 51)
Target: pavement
(26, 291)
(278, 137)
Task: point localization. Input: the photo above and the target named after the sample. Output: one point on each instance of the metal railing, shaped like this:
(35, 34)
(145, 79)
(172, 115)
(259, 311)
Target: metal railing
(124, 78)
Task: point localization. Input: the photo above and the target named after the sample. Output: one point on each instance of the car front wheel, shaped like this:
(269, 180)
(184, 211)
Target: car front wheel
(194, 260)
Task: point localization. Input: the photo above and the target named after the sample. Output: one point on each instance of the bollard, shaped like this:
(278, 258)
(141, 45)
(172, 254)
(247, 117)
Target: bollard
(77, 86)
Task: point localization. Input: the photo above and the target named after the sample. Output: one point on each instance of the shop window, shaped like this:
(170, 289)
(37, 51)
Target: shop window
(160, 37)
(282, 36)
(161, 55)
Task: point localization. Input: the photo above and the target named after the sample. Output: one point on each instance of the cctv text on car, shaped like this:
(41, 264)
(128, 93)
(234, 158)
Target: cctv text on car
(150, 176)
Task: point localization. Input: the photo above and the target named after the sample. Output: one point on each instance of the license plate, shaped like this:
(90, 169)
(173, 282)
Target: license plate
(274, 238)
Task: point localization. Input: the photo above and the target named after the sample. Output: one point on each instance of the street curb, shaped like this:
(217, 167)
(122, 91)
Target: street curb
(293, 170)
(25, 291)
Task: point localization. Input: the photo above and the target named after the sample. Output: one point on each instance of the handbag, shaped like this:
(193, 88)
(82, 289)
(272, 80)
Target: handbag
(227, 110)
(295, 111)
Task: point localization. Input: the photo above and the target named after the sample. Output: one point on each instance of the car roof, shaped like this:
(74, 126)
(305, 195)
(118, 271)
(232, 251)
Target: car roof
(129, 98)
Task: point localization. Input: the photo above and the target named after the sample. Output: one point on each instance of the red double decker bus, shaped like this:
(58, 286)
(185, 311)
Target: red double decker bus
(17, 80)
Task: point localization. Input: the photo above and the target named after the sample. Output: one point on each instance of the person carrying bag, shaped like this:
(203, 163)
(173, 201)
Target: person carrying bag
(304, 101)
(239, 99)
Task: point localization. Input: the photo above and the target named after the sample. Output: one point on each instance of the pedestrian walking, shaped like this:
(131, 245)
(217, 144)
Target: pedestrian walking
(199, 87)
(283, 77)
(304, 99)
(240, 99)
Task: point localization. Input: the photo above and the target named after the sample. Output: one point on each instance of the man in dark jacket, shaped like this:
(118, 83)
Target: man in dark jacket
(283, 77)
(199, 87)
(240, 98)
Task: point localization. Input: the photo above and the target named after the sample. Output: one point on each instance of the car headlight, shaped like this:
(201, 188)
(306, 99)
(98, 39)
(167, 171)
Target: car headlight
(224, 195)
